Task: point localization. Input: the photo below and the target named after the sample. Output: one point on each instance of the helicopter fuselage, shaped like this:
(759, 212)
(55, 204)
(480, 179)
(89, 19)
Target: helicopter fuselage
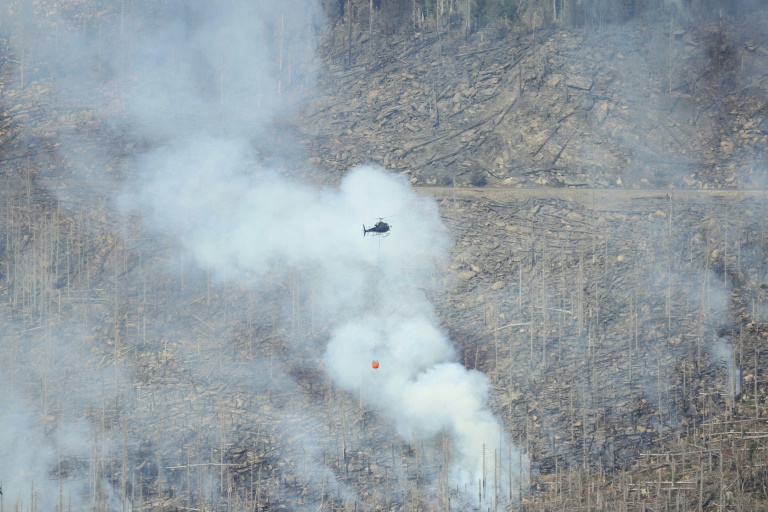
(378, 228)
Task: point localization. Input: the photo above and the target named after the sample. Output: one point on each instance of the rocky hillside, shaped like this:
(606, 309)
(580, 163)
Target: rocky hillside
(672, 105)
(607, 272)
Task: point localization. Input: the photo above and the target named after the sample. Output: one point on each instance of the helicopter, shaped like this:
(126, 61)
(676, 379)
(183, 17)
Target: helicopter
(379, 228)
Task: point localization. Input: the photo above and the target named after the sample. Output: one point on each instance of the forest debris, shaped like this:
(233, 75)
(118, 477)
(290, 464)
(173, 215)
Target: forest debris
(573, 216)
(553, 80)
(580, 83)
(601, 111)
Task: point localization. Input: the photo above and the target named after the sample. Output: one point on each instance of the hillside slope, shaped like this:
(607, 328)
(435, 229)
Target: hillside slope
(632, 106)
(603, 198)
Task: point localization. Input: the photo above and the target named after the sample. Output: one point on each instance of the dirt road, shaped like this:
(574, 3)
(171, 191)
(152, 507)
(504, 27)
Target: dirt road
(590, 197)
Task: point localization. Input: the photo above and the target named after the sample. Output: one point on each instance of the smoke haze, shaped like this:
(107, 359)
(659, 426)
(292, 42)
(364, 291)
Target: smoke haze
(214, 316)
(240, 226)
(201, 85)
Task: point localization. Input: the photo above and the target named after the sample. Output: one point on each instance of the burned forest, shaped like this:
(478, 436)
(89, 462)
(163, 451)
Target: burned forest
(558, 299)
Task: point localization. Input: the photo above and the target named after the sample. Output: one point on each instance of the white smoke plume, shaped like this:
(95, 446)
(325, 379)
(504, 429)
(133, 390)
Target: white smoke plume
(724, 353)
(199, 85)
(25, 453)
(48, 450)
(241, 224)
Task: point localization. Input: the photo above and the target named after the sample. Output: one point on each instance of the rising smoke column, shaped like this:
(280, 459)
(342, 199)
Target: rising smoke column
(48, 385)
(239, 224)
(198, 82)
